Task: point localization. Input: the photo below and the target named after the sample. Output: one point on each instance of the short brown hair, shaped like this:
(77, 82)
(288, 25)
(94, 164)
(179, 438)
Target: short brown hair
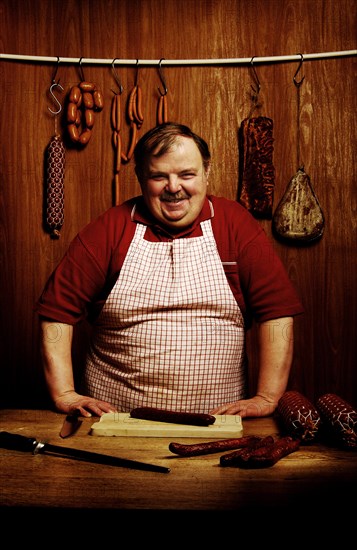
(161, 138)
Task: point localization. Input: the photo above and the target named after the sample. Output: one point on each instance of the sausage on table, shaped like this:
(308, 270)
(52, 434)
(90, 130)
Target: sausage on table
(175, 417)
(211, 447)
(235, 458)
(264, 456)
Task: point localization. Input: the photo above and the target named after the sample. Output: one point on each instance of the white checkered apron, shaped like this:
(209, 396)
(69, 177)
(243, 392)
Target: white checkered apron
(171, 334)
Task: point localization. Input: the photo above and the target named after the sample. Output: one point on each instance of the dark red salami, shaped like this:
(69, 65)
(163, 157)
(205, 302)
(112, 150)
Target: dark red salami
(174, 417)
(55, 160)
(210, 447)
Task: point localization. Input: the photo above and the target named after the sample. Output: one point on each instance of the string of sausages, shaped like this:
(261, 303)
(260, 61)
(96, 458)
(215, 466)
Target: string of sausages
(84, 100)
(117, 141)
(135, 118)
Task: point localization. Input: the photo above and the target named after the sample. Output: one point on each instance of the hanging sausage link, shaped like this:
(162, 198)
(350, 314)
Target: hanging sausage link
(84, 100)
(162, 109)
(117, 143)
(161, 113)
(55, 160)
(136, 119)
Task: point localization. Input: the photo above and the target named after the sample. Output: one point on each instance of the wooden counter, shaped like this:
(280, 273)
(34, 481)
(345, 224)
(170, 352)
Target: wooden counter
(314, 477)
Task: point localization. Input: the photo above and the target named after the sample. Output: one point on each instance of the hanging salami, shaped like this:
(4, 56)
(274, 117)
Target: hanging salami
(55, 167)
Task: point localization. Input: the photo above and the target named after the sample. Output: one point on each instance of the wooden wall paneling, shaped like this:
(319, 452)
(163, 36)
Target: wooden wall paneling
(213, 100)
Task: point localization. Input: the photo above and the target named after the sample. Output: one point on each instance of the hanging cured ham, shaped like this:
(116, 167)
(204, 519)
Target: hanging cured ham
(298, 215)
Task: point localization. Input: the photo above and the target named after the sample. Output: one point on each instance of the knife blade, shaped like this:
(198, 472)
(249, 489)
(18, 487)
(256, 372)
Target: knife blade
(70, 425)
(19, 442)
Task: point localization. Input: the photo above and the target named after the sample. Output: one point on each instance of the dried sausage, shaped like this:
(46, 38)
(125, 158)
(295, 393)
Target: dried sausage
(87, 86)
(339, 419)
(71, 112)
(139, 113)
(55, 186)
(162, 109)
(133, 139)
(89, 118)
(298, 416)
(73, 132)
(264, 456)
(211, 447)
(234, 458)
(98, 100)
(131, 101)
(175, 417)
(75, 95)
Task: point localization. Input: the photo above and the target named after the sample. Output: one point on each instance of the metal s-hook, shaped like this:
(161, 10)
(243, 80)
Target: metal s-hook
(137, 73)
(257, 82)
(297, 70)
(54, 85)
(81, 73)
(116, 77)
(55, 98)
(161, 74)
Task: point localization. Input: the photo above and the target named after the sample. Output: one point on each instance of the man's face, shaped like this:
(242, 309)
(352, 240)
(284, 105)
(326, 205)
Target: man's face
(174, 185)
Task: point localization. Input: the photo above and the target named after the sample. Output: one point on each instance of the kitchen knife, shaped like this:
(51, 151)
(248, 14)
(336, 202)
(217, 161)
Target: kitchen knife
(70, 425)
(18, 442)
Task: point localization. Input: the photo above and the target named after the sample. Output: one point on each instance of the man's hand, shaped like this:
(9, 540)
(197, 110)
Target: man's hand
(253, 408)
(72, 401)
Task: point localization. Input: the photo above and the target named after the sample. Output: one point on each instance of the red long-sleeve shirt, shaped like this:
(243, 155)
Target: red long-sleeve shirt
(80, 284)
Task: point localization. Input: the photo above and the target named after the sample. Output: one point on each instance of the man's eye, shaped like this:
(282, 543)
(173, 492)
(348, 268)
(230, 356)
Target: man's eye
(188, 175)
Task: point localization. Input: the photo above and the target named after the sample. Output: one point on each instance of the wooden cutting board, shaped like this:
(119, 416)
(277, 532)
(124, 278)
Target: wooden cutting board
(121, 425)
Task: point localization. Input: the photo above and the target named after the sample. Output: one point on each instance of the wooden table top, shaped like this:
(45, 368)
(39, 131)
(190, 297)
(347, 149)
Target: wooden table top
(316, 474)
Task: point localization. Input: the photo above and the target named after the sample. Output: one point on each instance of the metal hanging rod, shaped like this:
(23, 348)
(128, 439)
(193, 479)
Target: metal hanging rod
(154, 63)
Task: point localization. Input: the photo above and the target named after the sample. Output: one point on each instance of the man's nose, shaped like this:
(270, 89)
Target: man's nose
(173, 184)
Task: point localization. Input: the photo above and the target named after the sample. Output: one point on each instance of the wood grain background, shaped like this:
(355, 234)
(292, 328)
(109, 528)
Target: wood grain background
(213, 100)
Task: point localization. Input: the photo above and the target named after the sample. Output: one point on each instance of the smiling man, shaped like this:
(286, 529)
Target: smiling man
(171, 281)
(173, 179)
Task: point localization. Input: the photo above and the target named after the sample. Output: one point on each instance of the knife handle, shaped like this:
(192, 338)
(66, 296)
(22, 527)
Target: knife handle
(17, 442)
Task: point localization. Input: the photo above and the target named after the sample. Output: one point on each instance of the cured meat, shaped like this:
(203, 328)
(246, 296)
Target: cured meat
(257, 173)
(196, 449)
(176, 417)
(84, 99)
(55, 158)
(339, 418)
(299, 416)
(263, 456)
(298, 216)
(235, 458)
